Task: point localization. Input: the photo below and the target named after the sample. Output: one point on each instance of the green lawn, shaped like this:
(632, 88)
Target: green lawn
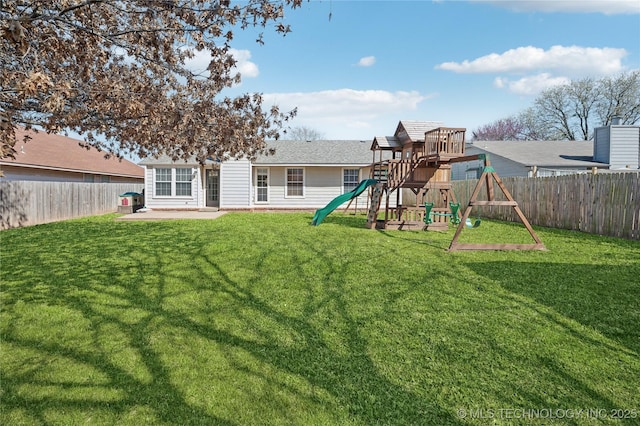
(263, 319)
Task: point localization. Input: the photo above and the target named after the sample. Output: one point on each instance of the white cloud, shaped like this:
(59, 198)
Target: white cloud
(244, 66)
(607, 7)
(367, 61)
(531, 85)
(574, 60)
(347, 113)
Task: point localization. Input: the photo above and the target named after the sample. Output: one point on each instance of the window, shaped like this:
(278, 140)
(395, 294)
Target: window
(105, 179)
(350, 179)
(88, 178)
(163, 182)
(262, 185)
(183, 182)
(472, 173)
(295, 182)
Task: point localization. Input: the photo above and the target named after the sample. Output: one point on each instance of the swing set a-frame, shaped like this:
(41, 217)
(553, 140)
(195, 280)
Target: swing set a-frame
(487, 179)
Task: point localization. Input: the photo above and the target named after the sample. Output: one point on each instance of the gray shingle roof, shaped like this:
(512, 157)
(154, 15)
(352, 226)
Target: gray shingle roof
(321, 152)
(543, 153)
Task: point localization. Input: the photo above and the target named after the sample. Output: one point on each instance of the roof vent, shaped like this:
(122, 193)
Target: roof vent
(615, 120)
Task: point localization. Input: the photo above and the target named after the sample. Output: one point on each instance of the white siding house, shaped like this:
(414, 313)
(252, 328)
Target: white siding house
(618, 145)
(235, 184)
(300, 175)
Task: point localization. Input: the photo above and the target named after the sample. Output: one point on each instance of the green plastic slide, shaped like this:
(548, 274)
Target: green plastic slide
(336, 202)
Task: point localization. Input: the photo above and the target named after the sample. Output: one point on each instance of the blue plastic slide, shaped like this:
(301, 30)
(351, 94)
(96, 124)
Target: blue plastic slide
(336, 202)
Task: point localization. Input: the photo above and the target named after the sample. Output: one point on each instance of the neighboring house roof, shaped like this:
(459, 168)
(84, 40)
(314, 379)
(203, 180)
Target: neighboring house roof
(409, 130)
(58, 152)
(542, 153)
(320, 152)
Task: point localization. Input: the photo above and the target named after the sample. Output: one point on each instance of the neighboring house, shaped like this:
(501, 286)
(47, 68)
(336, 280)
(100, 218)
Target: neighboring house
(529, 158)
(300, 175)
(615, 148)
(49, 157)
(618, 145)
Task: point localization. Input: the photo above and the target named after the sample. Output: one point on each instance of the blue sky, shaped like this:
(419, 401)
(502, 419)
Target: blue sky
(465, 63)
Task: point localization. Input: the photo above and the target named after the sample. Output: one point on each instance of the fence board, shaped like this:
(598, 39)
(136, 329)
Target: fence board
(24, 203)
(604, 203)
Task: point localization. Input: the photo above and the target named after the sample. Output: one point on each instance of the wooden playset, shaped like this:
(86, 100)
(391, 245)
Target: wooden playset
(421, 160)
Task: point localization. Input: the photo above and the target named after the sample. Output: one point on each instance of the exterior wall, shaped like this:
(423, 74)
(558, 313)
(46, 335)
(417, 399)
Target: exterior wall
(235, 184)
(321, 185)
(624, 147)
(601, 145)
(503, 166)
(12, 173)
(153, 201)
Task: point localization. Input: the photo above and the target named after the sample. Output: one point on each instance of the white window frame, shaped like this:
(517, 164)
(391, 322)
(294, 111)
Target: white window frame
(286, 182)
(172, 182)
(183, 182)
(155, 182)
(259, 171)
(355, 184)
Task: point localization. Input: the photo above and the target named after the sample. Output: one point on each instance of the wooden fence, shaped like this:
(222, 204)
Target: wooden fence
(604, 203)
(25, 203)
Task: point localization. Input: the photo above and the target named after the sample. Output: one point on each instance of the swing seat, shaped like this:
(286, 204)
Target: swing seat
(427, 216)
(470, 224)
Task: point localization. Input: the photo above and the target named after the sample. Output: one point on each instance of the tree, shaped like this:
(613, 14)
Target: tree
(575, 109)
(553, 109)
(619, 97)
(532, 129)
(523, 127)
(572, 111)
(303, 133)
(116, 71)
(505, 129)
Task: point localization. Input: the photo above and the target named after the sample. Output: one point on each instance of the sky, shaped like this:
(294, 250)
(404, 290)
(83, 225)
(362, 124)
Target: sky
(355, 68)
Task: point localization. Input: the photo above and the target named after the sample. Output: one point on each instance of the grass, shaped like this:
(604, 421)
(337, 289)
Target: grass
(262, 319)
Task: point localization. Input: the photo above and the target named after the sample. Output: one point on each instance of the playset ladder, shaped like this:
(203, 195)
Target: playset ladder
(374, 206)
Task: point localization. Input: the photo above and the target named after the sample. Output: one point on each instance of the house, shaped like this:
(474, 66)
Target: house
(50, 157)
(615, 147)
(529, 158)
(618, 145)
(300, 175)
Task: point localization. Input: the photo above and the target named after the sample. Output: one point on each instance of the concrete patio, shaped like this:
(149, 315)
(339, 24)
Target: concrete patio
(171, 215)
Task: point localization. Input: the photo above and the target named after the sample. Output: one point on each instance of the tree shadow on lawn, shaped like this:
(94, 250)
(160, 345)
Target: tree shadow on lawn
(83, 330)
(348, 374)
(85, 337)
(602, 297)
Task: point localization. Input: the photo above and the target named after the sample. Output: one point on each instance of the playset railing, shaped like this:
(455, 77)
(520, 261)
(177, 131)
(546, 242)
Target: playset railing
(444, 142)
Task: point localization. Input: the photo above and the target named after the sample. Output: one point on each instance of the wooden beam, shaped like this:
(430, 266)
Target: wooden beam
(469, 246)
(493, 203)
(465, 158)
